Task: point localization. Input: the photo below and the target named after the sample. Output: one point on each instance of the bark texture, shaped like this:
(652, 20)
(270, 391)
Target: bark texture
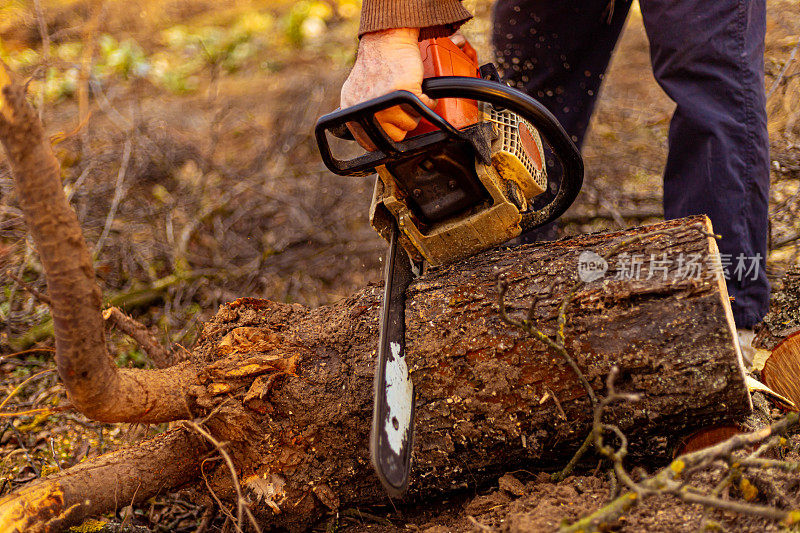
(482, 387)
(103, 484)
(779, 334)
(783, 318)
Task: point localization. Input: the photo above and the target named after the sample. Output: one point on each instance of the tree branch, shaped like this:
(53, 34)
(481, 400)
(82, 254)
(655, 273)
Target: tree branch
(96, 387)
(137, 331)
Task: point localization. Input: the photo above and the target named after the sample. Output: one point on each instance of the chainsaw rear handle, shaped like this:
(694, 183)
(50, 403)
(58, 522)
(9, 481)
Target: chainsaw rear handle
(497, 94)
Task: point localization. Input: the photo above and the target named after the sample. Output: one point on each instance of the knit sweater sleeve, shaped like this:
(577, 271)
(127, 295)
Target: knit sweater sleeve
(435, 18)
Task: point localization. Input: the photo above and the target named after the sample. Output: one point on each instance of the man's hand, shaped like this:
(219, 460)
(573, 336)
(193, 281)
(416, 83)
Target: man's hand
(387, 61)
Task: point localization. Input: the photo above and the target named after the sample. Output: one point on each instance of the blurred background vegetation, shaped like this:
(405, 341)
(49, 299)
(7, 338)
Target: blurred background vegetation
(184, 131)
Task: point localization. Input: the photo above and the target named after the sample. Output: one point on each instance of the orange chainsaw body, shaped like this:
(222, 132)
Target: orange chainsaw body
(448, 203)
(440, 57)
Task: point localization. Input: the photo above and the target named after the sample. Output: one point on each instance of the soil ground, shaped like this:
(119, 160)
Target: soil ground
(223, 195)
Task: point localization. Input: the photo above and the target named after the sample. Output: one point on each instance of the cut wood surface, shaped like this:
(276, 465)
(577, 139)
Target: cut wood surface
(779, 334)
(781, 370)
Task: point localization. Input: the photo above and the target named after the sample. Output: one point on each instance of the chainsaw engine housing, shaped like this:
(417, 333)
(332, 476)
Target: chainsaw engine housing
(449, 205)
(459, 198)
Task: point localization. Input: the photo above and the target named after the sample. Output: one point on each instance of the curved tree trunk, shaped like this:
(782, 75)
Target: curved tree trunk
(95, 385)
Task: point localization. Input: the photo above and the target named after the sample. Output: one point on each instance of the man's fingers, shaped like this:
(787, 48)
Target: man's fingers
(396, 134)
(396, 122)
(427, 101)
(397, 117)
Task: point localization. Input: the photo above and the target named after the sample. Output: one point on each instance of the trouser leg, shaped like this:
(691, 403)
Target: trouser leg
(557, 52)
(709, 58)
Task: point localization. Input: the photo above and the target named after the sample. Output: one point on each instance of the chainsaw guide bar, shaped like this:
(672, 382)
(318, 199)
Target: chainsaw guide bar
(392, 435)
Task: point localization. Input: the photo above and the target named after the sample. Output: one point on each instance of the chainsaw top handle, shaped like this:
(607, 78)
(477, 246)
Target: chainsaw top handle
(492, 92)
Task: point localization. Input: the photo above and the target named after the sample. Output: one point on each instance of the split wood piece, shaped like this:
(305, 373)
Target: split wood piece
(707, 437)
(782, 369)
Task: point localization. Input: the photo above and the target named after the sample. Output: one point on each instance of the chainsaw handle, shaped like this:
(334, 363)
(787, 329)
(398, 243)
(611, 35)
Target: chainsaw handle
(563, 148)
(387, 149)
(495, 93)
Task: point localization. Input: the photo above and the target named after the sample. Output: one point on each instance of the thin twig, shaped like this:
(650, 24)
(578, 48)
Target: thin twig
(36, 469)
(241, 504)
(567, 470)
(664, 482)
(782, 73)
(530, 329)
(560, 409)
(53, 452)
(30, 288)
(45, 36)
(216, 498)
(19, 387)
(137, 331)
(118, 193)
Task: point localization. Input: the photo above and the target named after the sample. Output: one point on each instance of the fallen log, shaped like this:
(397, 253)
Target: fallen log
(293, 387)
(284, 393)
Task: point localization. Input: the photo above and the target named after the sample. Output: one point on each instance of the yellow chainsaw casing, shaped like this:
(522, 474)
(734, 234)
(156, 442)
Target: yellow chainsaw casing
(515, 176)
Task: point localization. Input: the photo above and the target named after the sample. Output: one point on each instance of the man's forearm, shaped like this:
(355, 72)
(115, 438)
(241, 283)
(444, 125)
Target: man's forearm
(435, 18)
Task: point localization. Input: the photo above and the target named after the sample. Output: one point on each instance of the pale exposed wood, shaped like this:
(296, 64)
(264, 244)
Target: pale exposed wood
(782, 369)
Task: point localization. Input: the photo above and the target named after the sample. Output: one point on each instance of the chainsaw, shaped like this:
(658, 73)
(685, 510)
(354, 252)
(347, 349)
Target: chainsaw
(470, 177)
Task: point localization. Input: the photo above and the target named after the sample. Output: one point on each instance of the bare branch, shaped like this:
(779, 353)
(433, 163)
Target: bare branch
(137, 331)
(96, 387)
(119, 191)
(28, 287)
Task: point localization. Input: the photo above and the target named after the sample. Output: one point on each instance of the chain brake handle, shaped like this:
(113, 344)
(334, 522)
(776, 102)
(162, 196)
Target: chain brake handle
(492, 92)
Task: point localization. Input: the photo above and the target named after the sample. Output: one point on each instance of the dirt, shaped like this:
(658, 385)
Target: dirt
(225, 197)
(529, 502)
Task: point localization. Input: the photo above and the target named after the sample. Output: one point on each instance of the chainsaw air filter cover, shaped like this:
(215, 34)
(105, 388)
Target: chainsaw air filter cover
(517, 152)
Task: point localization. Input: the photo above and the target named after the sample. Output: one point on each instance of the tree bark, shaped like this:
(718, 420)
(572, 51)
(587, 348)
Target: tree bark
(104, 484)
(482, 386)
(291, 388)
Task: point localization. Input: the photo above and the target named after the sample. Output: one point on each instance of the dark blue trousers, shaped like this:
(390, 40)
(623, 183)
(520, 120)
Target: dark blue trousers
(708, 56)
